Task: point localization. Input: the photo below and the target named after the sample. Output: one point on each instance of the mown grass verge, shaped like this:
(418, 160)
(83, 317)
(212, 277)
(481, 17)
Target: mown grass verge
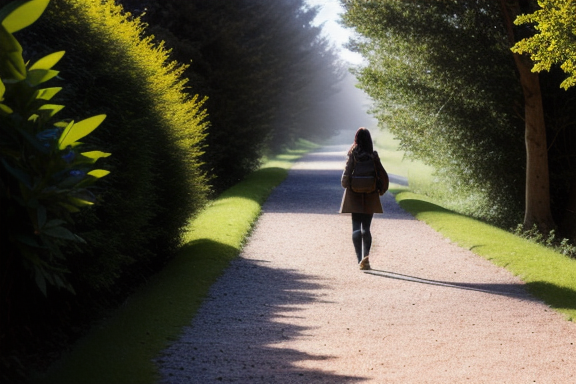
(549, 276)
(121, 349)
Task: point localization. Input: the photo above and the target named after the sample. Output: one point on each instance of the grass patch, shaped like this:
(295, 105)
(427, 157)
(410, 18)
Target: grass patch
(550, 276)
(121, 349)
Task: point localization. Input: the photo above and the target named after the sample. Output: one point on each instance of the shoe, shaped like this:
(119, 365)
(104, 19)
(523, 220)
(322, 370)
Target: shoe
(365, 264)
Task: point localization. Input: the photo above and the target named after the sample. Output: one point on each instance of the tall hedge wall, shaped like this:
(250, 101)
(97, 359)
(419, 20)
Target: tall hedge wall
(154, 130)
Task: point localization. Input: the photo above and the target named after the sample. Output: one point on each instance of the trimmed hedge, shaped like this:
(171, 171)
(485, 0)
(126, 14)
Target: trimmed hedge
(154, 129)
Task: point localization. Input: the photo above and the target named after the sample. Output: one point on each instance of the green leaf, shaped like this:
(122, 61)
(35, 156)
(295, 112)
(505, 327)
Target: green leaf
(98, 173)
(39, 76)
(70, 208)
(47, 62)
(46, 93)
(79, 202)
(63, 123)
(20, 14)
(79, 130)
(51, 108)
(6, 110)
(54, 223)
(2, 90)
(95, 154)
(12, 64)
(60, 233)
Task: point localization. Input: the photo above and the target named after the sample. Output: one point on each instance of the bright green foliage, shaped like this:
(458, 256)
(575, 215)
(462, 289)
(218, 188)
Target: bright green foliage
(214, 238)
(443, 83)
(555, 42)
(155, 129)
(44, 174)
(549, 275)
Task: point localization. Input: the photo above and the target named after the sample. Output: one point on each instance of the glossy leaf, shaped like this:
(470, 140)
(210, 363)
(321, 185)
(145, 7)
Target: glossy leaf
(6, 110)
(98, 173)
(54, 223)
(63, 123)
(20, 14)
(79, 202)
(78, 130)
(95, 155)
(46, 93)
(51, 108)
(12, 64)
(39, 76)
(59, 232)
(47, 62)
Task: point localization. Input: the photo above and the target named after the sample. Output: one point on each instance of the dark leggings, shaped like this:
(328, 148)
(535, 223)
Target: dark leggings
(361, 233)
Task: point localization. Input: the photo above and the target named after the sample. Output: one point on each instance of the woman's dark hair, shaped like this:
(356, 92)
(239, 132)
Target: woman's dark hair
(362, 142)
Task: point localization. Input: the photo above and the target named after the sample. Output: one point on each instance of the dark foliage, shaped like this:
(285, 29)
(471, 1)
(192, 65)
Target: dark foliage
(267, 72)
(560, 116)
(154, 129)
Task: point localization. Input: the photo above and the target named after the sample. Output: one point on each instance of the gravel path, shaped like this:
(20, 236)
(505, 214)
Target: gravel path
(294, 308)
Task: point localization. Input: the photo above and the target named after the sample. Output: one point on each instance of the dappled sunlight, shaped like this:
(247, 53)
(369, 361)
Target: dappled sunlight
(246, 326)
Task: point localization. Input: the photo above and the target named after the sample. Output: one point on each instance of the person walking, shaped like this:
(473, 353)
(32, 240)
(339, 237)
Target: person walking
(363, 205)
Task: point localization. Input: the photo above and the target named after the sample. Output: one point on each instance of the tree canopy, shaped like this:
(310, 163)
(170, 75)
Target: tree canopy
(447, 85)
(442, 80)
(555, 41)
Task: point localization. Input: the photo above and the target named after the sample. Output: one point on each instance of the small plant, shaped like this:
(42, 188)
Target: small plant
(44, 175)
(549, 240)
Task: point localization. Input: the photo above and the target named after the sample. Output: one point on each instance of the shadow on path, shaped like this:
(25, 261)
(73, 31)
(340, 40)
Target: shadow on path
(511, 290)
(236, 334)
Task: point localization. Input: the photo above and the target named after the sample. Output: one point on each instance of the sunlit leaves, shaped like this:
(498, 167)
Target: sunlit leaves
(44, 179)
(46, 93)
(11, 62)
(555, 42)
(441, 80)
(76, 131)
(20, 14)
(47, 62)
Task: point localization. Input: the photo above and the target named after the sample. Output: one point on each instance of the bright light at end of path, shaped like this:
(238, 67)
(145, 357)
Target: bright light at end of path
(329, 16)
(311, 164)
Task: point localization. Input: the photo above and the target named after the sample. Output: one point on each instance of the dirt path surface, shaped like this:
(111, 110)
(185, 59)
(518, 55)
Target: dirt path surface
(295, 308)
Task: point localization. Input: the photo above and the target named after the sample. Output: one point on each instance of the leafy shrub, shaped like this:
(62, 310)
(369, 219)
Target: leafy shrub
(154, 128)
(43, 175)
(155, 131)
(549, 240)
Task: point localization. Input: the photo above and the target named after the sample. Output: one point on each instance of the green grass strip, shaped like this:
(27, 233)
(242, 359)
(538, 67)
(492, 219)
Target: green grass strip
(549, 276)
(121, 349)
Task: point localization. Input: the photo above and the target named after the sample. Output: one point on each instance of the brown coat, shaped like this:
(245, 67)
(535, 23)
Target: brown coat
(353, 202)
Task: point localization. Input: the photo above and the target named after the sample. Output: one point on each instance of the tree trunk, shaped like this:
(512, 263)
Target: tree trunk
(537, 209)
